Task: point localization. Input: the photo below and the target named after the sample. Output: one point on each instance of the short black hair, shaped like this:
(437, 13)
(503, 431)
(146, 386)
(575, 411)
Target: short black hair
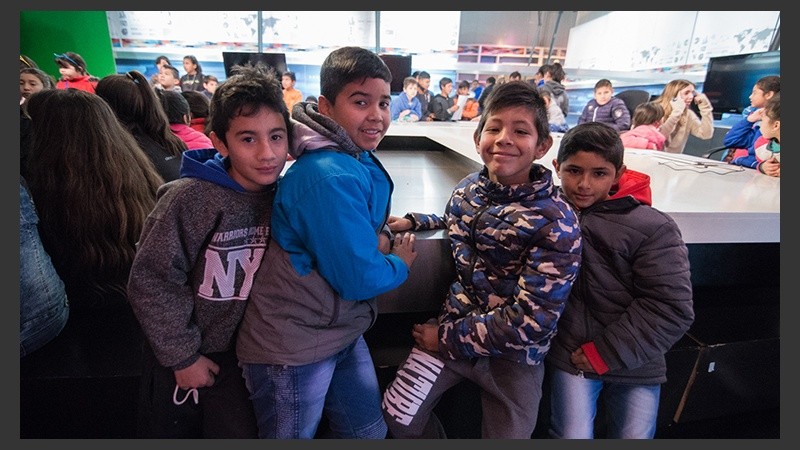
(347, 64)
(593, 137)
(175, 105)
(248, 90)
(517, 93)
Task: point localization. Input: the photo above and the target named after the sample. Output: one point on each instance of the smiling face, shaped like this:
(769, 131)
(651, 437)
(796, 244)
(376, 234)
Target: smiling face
(587, 178)
(509, 144)
(257, 148)
(362, 109)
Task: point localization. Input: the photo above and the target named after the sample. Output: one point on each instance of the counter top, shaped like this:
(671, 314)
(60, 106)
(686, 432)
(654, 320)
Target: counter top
(712, 202)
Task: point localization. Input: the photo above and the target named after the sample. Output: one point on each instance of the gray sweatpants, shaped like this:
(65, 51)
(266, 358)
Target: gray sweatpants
(510, 395)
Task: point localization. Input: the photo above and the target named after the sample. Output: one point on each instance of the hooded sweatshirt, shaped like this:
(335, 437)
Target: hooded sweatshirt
(196, 260)
(558, 93)
(315, 292)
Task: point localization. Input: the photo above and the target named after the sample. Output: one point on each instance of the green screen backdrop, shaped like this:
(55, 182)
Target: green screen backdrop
(42, 33)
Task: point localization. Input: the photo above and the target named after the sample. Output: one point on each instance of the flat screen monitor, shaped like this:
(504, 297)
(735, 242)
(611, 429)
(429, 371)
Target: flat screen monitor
(400, 66)
(730, 79)
(274, 60)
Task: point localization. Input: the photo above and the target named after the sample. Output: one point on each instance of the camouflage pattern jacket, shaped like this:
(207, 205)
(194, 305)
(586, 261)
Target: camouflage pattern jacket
(517, 251)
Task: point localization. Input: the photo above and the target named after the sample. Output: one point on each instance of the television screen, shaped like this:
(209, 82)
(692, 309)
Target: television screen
(730, 79)
(274, 60)
(400, 66)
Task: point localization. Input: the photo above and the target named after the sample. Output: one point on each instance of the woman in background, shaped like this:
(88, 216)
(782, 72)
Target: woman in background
(679, 120)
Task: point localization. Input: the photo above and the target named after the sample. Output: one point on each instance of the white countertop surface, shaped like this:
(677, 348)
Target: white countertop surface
(711, 201)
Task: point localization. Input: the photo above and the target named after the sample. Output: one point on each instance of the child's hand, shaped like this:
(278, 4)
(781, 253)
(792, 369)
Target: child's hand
(200, 374)
(771, 167)
(426, 335)
(756, 115)
(404, 248)
(398, 224)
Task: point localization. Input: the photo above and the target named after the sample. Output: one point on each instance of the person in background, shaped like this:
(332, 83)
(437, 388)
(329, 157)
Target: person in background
(43, 303)
(555, 118)
(471, 106)
(645, 133)
(405, 107)
(746, 131)
(553, 75)
(679, 120)
(538, 77)
(515, 76)
(311, 99)
(138, 108)
(768, 146)
(631, 303)
(26, 62)
(73, 72)
(169, 80)
(517, 248)
(443, 106)
(424, 95)
(93, 187)
(290, 95)
(160, 62)
(301, 342)
(210, 83)
(31, 81)
(490, 82)
(198, 109)
(195, 264)
(475, 89)
(605, 108)
(193, 79)
(179, 116)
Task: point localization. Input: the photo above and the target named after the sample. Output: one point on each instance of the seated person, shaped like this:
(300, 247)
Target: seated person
(442, 106)
(471, 106)
(605, 108)
(555, 117)
(169, 79)
(645, 133)
(406, 106)
(768, 147)
(210, 83)
(743, 134)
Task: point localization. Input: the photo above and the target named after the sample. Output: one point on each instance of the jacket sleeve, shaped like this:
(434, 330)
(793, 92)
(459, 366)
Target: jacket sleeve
(527, 319)
(439, 107)
(703, 127)
(661, 311)
(620, 115)
(159, 289)
(586, 116)
(741, 135)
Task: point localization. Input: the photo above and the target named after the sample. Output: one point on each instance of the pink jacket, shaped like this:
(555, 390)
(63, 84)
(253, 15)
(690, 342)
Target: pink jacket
(646, 137)
(193, 138)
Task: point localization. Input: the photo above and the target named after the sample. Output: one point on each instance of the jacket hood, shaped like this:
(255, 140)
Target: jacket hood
(208, 164)
(556, 87)
(635, 184)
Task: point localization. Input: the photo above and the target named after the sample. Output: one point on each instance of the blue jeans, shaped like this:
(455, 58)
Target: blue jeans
(43, 307)
(631, 409)
(289, 400)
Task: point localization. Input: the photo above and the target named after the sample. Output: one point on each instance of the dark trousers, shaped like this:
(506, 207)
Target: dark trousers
(223, 410)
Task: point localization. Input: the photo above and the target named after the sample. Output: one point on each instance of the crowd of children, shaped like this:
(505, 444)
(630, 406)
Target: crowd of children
(254, 315)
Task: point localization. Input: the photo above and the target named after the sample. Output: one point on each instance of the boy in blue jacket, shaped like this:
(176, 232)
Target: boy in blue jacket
(301, 341)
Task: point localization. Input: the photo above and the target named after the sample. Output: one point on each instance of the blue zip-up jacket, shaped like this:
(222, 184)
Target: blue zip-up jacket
(315, 292)
(744, 134)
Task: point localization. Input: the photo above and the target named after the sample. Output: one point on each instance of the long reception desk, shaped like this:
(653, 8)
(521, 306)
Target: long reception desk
(711, 201)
